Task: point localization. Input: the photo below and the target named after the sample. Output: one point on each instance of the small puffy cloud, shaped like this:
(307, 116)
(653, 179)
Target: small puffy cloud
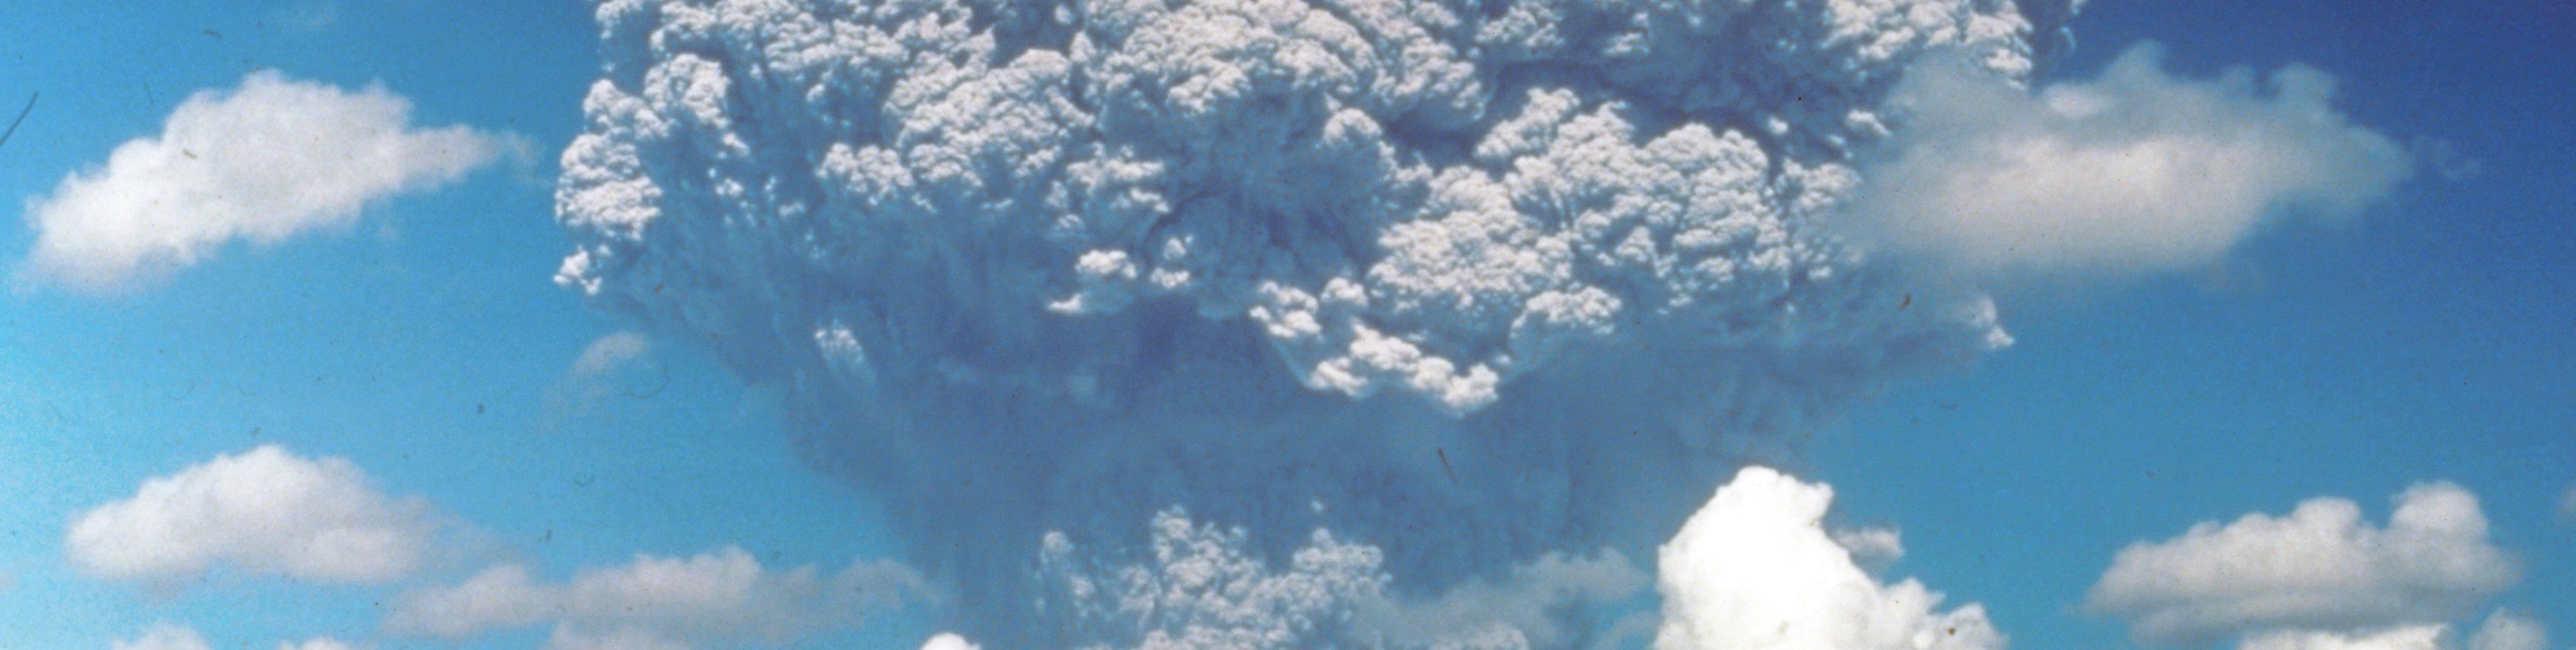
(165, 637)
(322, 643)
(2413, 637)
(2320, 568)
(2136, 171)
(949, 641)
(262, 162)
(721, 598)
(2505, 630)
(267, 511)
(1755, 569)
(1872, 547)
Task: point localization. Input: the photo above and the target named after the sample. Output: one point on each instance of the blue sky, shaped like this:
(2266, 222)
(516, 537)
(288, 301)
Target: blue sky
(2424, 341)
(427, 343)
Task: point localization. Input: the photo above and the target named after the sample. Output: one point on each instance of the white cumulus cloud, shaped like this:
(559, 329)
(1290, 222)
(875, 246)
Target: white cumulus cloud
(165, 637)
(2321, 568)
(1756, 569)
(721, 598)
(262, 162)
(2135, 171)
(266, 511)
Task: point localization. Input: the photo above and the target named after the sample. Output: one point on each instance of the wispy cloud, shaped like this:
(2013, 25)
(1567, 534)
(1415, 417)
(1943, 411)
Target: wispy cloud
(2567, 504)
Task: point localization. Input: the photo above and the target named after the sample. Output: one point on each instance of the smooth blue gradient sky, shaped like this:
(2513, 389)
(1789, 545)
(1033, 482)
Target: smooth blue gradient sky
(427, 344)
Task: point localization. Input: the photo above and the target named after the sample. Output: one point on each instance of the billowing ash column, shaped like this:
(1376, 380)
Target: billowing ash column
(1467, 281)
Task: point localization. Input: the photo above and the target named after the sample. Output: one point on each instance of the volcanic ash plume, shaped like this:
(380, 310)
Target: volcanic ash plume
(1473, 283)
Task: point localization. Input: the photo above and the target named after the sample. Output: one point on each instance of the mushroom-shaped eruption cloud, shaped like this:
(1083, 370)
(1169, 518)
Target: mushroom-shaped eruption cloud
(1473, 281)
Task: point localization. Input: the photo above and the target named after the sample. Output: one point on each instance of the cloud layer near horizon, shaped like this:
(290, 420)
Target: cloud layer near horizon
(2503, 630)
(720, 599)
(259, 163)
(166, 636)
